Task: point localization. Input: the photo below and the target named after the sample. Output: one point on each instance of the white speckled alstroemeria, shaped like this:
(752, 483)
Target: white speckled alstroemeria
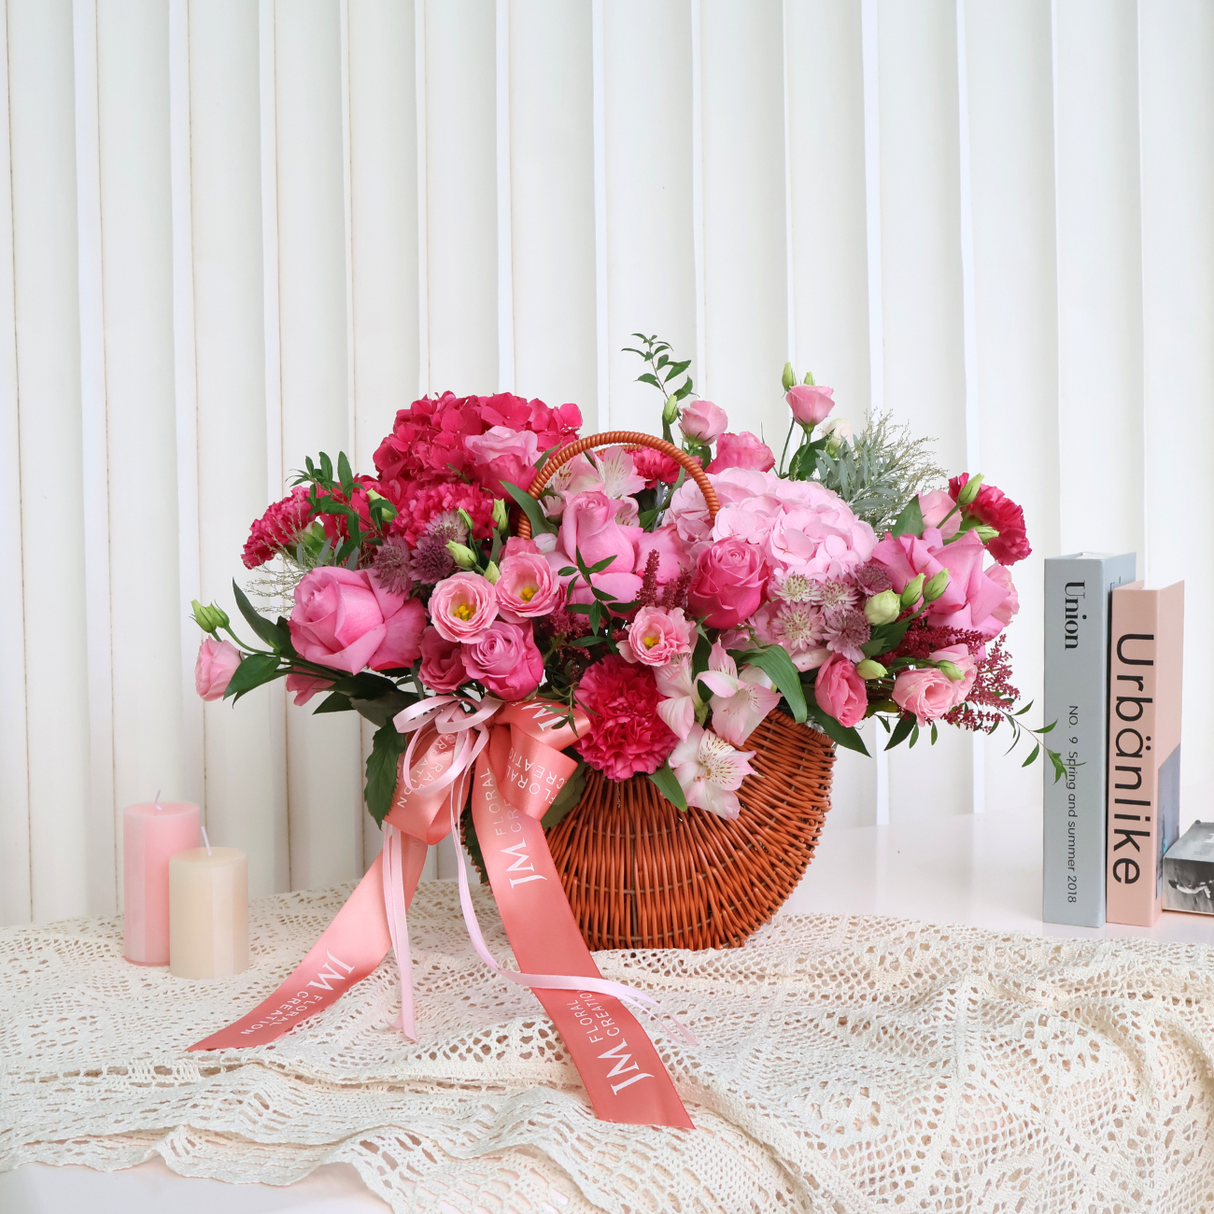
(710, 771)
(679, 699)
(739, 701)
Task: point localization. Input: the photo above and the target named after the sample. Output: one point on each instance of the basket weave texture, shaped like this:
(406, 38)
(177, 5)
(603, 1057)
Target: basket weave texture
(640, 874)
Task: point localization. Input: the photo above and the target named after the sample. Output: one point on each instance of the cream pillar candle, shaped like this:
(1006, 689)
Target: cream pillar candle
(151, 833)
(208, 913)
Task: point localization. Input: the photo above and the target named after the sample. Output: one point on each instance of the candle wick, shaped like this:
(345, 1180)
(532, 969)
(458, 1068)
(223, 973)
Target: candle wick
(206, 840)
(157, 801)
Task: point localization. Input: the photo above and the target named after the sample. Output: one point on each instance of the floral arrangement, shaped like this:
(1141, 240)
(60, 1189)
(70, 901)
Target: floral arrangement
(843, 581)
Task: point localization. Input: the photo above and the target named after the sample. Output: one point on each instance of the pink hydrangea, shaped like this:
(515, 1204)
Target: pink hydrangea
(626, 735)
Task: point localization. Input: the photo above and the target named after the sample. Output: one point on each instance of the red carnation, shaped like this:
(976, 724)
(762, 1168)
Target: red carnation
(278, 528)
(626, 734)
(995, 510)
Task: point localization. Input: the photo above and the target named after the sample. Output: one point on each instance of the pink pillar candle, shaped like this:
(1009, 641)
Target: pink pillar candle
(151, 833)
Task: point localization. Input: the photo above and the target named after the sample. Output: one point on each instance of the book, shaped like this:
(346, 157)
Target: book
(1077, 602)
(1145, 662)
(1188, 871)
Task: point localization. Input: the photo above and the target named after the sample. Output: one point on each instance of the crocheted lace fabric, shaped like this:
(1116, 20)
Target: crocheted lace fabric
(844, 1065)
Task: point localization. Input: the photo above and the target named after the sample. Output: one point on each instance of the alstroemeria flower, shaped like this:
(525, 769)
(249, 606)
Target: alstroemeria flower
(679, 699)
(710, 771)
(739, 701)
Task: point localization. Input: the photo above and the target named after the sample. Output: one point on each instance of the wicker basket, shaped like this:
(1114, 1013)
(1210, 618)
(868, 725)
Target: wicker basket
(640, 874)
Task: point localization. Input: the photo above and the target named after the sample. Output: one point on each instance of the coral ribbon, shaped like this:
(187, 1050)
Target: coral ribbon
(519, 771)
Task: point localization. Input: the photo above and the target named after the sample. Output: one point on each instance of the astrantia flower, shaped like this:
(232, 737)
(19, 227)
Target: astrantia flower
(394, 565)
(626, 734)
(740, 701)
(797, 626)
(431, 560)
(833, 594)
(710, 771)
(872, 578)
(794, 588)
(846, 631)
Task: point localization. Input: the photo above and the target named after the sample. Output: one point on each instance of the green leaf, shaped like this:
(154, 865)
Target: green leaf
(567, 799)
(336, 702)
(935, 733)
(253, 671)
(845, 735)
(910, 521)
(904, 726)
(326, 468)
(669, 786)
(540, 522)
(273, 635)
(774, 661)
(649, 378)
(677, 369)
(914, 737)
(884, 638)
(1059, 767)
(1032, 755)
(344, 475)
(386, 749)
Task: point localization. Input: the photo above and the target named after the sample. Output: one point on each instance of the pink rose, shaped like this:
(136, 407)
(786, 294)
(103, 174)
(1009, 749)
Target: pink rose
(936, 506)
(345, 619)
(702, 420)
(742, 451)
(463, 606)
(926, 692)
(305, 686)
(216, 664)
(442, 667)
(505, 660)
(508, 455)
(809, 403)
(840, 691)
(728, 583)
(589, 529)
(657, 636)
(527, 587)
(971, 596)
(1007, 610)
(673, 554)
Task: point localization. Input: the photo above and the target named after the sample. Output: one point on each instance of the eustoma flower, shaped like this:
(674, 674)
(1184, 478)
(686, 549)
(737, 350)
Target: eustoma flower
(216, 664)
(710, 771)
(463, 606)
(657, 636)
(527, 587)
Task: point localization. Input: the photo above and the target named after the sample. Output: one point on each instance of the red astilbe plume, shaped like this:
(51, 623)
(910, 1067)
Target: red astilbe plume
(648, 596)
(991, 696)
(922, 640)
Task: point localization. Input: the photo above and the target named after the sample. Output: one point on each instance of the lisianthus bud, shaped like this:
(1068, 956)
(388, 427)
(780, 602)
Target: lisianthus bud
(935, 586)
(670, 413)
(883, 608)
(492, 572)
(913, 592)
(209, 619)
(985, 533)
(969, 490)
(461, 554)
(789, 377)
(500, 515)
(949, 669)
(836, 431)
(466, 519)
(868, 669)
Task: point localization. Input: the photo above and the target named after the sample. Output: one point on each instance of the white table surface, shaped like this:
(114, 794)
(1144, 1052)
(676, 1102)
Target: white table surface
(981, 870)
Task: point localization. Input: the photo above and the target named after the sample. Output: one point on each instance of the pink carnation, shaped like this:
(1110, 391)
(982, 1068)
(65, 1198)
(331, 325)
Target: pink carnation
(654, 466)
(626, 736)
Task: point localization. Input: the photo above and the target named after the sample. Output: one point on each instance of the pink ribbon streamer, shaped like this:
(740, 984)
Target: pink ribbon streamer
(449, 736)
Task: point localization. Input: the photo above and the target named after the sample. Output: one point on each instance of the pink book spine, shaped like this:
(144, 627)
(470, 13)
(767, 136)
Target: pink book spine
(1144, 734)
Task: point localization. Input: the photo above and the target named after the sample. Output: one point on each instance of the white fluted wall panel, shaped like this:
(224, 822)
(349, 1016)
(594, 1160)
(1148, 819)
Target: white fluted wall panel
(235, 232)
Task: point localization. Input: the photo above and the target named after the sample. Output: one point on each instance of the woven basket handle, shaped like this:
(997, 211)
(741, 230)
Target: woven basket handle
(620, 438)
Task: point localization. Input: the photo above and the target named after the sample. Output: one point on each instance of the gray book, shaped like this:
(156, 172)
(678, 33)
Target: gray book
(1077, 593)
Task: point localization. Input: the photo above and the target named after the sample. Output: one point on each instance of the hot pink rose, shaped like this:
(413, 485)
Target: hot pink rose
(728, 583)
(809, 403)
(703, 420)
(442, 667)
(505, 660)
(742, 451)
(343, 618)
(840, 691)
(937, 506)
(527, 587)
(216, 664)
(305, 686)
(926, 692)
(971, 596)
(657, 636)
(589, 529)
(463, 606)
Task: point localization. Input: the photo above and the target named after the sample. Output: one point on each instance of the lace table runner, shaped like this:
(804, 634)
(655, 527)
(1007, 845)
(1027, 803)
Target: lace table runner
(845, 1064)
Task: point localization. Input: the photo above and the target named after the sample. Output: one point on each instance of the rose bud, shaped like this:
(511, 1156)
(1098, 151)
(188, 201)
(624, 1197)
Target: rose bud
(883, 608)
